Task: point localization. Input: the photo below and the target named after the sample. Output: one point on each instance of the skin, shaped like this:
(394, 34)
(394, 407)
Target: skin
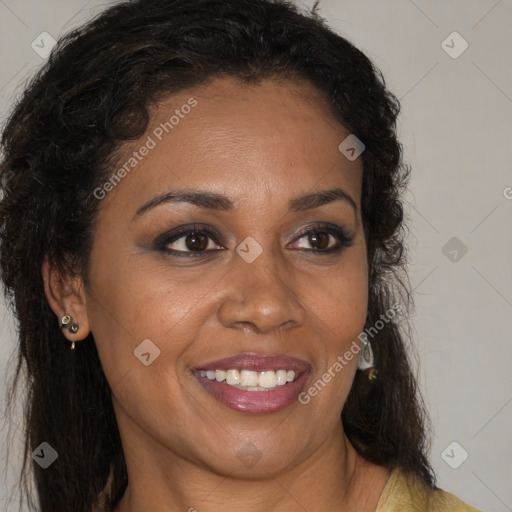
(261, 145)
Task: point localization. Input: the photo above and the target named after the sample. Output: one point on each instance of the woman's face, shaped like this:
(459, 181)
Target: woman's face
(251, 284)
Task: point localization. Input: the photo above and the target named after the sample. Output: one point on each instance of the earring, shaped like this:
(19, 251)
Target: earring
(366, 360)
(67, 323)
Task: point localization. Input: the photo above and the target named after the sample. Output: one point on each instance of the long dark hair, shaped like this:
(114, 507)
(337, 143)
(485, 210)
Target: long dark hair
(94, 94)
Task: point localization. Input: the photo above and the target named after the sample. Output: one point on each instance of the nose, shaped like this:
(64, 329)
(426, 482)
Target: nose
(261, 296)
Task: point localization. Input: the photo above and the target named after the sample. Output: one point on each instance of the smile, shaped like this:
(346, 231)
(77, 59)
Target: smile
(253, 383)
(249, 380)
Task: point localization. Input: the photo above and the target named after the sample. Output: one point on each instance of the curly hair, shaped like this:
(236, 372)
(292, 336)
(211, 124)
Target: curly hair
(93, 95)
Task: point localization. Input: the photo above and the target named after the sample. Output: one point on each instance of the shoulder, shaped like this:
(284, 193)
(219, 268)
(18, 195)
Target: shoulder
(407, 493)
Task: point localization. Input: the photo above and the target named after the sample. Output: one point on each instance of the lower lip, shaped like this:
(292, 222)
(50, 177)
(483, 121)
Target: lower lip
(255, 402)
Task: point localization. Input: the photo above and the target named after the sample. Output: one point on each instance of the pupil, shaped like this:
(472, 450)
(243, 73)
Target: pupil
(196, 241)
(318, 238)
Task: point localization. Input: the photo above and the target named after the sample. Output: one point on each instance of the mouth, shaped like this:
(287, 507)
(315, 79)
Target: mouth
(254, 383)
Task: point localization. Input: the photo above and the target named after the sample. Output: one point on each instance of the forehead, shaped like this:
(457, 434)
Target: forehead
(243, 140)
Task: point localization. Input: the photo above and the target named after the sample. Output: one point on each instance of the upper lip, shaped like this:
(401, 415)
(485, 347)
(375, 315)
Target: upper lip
(257, 363)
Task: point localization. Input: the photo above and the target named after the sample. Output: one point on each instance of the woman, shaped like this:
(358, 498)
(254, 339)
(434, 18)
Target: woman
(202, 240)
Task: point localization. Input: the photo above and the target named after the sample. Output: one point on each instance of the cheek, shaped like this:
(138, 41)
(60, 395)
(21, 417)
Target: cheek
(136, 310)
(143, 329)
(343, 301)
(340, 308)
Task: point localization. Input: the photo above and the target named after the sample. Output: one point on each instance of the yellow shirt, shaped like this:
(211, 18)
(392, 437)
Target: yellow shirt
(407, 493)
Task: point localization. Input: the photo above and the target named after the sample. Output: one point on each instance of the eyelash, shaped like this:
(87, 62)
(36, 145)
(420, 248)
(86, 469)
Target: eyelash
(344, 239)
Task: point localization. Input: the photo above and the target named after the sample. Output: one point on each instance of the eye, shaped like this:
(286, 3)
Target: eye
(196, 240)
(189, 241)
(320, 236)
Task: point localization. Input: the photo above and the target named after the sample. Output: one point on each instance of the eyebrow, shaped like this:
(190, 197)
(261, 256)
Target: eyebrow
(218, 202)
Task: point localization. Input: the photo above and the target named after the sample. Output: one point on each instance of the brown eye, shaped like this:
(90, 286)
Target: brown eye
(189, 240)
(196, 241)
(319, 240)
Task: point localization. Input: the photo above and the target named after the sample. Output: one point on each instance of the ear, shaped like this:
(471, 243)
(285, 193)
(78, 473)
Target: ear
(66, 296)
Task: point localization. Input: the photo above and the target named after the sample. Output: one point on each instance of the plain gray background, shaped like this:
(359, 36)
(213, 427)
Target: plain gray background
(456, 127)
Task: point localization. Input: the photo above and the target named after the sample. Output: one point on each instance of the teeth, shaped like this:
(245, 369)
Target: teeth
(250, 380)
(281, 377)
(267, 380)
(233, 377)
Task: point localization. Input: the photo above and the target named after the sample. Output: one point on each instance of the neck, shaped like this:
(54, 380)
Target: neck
(335, 477)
